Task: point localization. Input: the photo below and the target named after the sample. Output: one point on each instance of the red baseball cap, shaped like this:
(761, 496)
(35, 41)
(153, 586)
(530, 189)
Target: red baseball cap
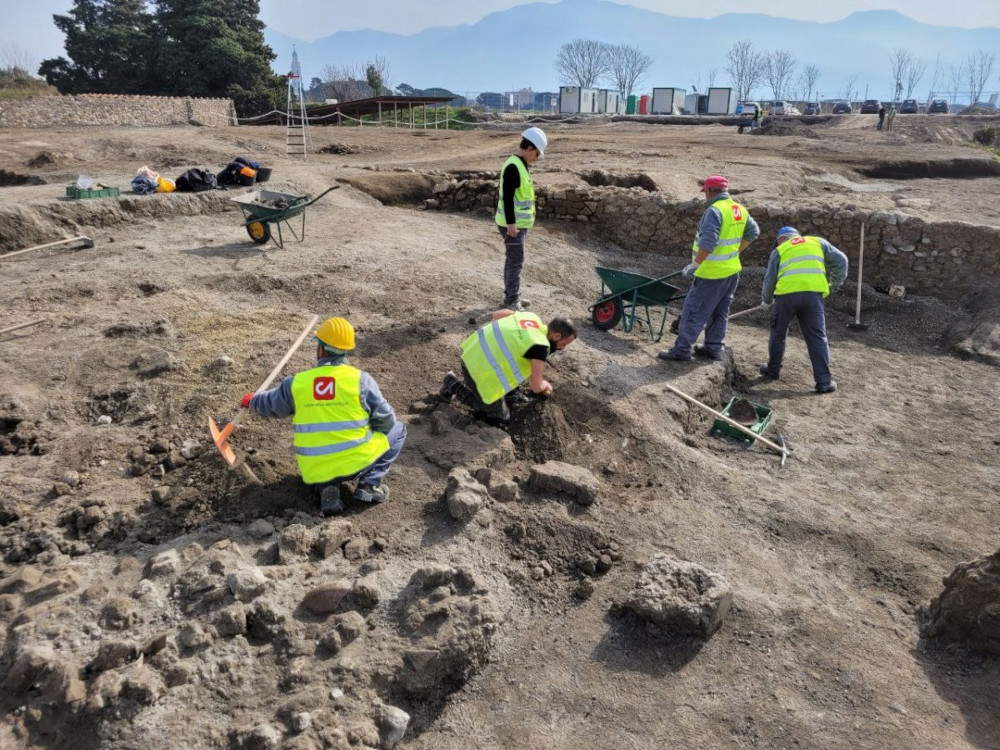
(715, 182)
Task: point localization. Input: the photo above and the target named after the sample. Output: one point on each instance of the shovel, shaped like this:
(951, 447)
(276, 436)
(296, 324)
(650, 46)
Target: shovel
(220, 436)
(857, 325)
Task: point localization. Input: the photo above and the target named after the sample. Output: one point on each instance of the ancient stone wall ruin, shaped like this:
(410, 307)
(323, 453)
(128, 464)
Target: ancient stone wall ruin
(112, 109)
(940, 258)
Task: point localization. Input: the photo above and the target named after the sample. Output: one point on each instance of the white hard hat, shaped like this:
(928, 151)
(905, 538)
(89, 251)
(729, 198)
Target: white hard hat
(537, 138)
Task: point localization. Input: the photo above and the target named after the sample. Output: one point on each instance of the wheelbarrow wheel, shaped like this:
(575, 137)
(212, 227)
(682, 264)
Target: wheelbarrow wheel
(259, 231)
(606, 315)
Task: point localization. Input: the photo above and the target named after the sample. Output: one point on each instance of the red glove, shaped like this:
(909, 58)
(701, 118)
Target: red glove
(245, 401)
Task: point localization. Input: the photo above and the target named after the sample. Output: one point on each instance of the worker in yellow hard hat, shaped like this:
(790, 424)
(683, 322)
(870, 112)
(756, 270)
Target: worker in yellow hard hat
(344, 429)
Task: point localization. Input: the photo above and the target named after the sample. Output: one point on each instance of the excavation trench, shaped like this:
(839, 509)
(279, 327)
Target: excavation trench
(960, 169)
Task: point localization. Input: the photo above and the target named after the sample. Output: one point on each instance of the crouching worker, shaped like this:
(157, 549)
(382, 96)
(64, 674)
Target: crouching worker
(343, 427)
(500, 356)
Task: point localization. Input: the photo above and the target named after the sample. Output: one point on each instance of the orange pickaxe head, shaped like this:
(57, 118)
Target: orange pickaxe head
(221, 439)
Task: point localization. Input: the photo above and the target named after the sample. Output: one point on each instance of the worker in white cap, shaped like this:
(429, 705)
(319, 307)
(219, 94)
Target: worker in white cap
(516, 211)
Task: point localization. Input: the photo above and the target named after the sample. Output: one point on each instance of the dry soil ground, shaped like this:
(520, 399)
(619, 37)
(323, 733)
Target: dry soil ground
(894, 479)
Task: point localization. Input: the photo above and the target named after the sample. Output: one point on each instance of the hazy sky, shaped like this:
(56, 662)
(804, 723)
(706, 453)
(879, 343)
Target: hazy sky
(28, 23)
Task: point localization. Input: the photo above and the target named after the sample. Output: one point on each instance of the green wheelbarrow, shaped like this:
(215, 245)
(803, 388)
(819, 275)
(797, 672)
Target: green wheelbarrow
(624, 294)
(262, 208)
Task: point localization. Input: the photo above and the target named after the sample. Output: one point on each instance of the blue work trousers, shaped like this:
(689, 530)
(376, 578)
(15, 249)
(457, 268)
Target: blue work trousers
(375, 472)
(706, 307)
(807, 308)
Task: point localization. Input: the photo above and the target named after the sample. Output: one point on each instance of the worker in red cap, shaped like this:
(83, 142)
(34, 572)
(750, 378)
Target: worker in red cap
(725, 230)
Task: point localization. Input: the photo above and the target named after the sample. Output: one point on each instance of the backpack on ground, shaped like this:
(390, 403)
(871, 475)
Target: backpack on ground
(196, 181)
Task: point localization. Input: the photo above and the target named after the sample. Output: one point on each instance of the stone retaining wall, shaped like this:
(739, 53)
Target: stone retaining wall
(113, 109)
(941, 258)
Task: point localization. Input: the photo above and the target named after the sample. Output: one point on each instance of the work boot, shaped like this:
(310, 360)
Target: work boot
(330, 503)
(706, 353)
(766, 373)
(828, 388)
(448, 387)
(673, 356)
(371, 494)
(517, 304)
(517, 396)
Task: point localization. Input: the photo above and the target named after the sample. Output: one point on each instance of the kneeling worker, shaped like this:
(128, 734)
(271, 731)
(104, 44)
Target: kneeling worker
(797, 280)
(344, 428)
(500, 356)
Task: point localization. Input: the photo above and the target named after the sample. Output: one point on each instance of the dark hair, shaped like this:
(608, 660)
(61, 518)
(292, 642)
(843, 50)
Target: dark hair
(525, 143)
(562, 326)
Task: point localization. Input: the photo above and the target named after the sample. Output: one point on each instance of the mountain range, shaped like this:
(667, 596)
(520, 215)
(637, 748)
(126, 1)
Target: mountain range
(516, 48)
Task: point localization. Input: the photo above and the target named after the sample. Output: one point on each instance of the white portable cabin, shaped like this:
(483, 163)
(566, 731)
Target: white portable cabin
(721, 102)
(667, 101)
(573, 100)
(608, 102)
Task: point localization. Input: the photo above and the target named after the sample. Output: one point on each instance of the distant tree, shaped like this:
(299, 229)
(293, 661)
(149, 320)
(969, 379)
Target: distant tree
(851, 88)
(913, 74)
(406, 89)
(899, 62)
(808, 80)
(345, 83)
(110, 44)
(745, 67)
(978, 69)
(627, 65)
(491, 100)
(377, 75)
(315, 83)
(779, 66)
(582, 62)
(712, 75)
(957, 75)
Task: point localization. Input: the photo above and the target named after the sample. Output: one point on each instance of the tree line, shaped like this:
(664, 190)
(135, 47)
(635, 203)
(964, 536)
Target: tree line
(210, 48)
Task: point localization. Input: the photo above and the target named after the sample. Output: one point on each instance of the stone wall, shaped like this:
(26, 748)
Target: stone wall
(939, 258)
(113, 109)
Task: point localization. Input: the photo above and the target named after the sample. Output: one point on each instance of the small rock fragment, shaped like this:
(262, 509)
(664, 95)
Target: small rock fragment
(557, 477)
(681, 597)
(327, 597)
(166, 563)
(392, 725)
(355, 548)
(260, 528)
(505, 491)
(246, 584)
(232, 621)
(464, 496)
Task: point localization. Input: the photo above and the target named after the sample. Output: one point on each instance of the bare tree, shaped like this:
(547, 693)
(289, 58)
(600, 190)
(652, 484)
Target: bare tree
(345, 83)
(957, 75)
(913, 74)
(778, 69)
(745, 67)
(851, 88)
(626, 66)
(712, 75)
(936, 78)
(978, 69)
(809, 79)
(582, 62)
(15, 57)
(899, 62)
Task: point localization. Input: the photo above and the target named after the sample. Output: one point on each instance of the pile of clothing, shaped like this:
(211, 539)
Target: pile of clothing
(240, 172)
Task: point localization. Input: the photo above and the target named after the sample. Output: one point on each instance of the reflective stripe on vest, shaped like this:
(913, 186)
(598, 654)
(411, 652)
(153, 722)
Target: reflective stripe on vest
(524, 197)
(332, 436)
(494, 355)
(801, 267)
(724, 260)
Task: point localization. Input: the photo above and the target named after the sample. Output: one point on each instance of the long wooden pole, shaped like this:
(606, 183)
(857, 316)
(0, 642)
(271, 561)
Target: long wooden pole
(727, 420)
(861, 266)
(741, 313)
(22, 325)
(88, 243)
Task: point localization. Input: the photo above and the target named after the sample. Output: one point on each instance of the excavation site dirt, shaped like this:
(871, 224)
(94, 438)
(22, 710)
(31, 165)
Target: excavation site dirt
(606, 572)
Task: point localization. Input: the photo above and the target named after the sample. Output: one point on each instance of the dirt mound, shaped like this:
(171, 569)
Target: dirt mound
(773, 126)
(601, 178)
(968, 610)
(13, 179)
(943, 168)
(49, 159)
(347, 148)
(394, 189)
(978, 336)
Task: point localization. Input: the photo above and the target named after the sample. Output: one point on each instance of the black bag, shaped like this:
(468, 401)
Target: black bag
(196, 181)
(230, 175)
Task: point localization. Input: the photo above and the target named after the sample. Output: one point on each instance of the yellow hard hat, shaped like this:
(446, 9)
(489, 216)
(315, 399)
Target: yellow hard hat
(337, 333)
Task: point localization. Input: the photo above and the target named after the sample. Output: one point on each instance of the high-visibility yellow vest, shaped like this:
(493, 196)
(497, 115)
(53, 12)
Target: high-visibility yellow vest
(524, 197)
(332, 435)
(494, 355)
(724, 260)
(801, 267)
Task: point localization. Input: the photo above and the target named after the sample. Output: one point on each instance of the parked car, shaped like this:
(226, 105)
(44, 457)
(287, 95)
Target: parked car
(843, 108)
(813, 108)
(747, 108)
(781, 107)
(938, 106)
(871, 107)
(909, 107)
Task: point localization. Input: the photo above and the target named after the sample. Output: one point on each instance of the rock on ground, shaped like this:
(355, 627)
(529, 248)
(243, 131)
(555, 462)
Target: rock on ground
(680, 597)
(575, 482)
(968, 610)
(392, 724)
(464, 496)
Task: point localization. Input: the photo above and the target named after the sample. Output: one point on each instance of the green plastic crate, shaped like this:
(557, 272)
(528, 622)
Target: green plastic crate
(764, 417)
(72, 191)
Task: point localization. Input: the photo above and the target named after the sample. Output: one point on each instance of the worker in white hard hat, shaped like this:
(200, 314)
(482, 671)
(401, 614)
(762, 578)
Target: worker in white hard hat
(516, 211)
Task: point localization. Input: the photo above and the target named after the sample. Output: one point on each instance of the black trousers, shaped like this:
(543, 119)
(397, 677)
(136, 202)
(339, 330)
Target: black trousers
(468, 394)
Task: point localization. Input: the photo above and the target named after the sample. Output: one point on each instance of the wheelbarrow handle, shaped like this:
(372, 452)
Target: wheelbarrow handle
(334, 187)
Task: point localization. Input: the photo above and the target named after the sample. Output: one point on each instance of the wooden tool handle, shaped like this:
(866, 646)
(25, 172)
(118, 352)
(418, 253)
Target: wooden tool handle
(48, 244)
(22, 325)
(288, 355)
(741, 313)
(861, 268)
(727, 420)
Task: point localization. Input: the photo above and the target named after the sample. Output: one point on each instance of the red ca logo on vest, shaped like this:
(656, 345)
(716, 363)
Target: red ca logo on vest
(737, 212)
(324, 389)
(798, 240)
(527, 324)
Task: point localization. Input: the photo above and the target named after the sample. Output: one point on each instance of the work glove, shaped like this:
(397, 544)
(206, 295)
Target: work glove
(245, 401)
(688, 272)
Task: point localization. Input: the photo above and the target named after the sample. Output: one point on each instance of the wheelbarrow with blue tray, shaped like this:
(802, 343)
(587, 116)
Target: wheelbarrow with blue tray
(264, 208)
(624, 294)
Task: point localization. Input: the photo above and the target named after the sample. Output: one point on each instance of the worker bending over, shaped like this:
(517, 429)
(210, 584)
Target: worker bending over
(500, 356)
(725, 230)
(516, 211)
(800, 273)
(343, 428)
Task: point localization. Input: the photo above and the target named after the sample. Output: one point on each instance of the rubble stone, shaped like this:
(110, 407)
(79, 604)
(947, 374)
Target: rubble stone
(326, 598)
(247, 583)
(680, 597)
(232, 620)
(967, 611)
(392, 725)
(464, 496)
(575, 482)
